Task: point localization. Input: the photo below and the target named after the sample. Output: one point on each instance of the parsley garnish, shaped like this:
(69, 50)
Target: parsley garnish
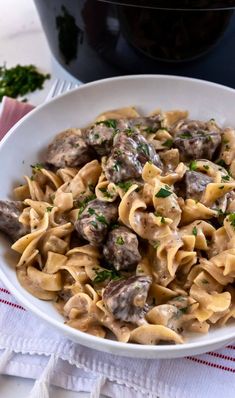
(101, 276)
(99, 217)
(150, 130)
(168, 143)
(20, 80)
(163, 193)
(120, 240)
(105, 192)
(37, 166)
(206, 167)
(193, 165)
(125, 185)
(49, 208)
(231, 218)
(187, 134)
(225, 178)
(84, 203)
(194, 231)
(221, 162)
(96, 136)
(109, 123)
(91, 211)
(129, 132)
(143, 148)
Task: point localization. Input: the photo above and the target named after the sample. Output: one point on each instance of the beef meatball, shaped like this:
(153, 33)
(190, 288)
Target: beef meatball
(68, 149)
(121, 249)
(10, 212)
(193, 185)
(94, 221)
(196, 140)
(126, 299)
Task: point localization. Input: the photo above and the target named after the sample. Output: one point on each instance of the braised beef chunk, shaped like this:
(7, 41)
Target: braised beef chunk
(126, 299)
(131, 151)
(148, 125)
(68, 149)
(121, 249)
(100, 136)
(193, 185)
(9, 219)
(94, 221)
(196, 140)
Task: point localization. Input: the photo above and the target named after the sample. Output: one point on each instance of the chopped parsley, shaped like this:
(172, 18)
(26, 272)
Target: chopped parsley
(206, 167)
(84, 203)
(101, 276)
(225, 178)
(114, 226)
(111, 123)
(120, 240)
(105, 192)
(194, 231)
(168, 143)
(163, 193)
(96, 136)
(37, 166)
(125, 185)
(187, 134)
(193, 165)
(99, 217)
(49, 208)
(221, 162)
(143, 148)
(231, 218)
(20, 80)
(91, 211)
(150, 130)
(129, 132)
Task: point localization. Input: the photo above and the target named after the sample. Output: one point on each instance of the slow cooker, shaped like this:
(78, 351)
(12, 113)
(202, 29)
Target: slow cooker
(94, 39)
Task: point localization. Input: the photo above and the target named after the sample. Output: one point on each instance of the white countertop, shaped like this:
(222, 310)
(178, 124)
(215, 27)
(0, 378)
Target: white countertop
(22, 41)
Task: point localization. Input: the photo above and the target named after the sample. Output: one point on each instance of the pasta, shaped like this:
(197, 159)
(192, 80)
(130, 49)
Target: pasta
(129, 226)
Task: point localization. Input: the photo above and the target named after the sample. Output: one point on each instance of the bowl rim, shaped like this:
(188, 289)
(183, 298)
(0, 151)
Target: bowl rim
(131, 349)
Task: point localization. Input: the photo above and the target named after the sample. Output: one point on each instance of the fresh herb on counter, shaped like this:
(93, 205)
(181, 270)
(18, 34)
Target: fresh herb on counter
(20, 80)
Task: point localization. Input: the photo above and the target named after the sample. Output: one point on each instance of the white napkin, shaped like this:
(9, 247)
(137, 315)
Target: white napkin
(32, 349)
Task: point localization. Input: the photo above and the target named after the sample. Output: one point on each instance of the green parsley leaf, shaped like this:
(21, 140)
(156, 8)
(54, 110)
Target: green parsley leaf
(193, 165)
(168, 143)
(37, 166)
(112, 123)
(129, 132)
(105, 192)
(120, 240)
(194, 231)
(91, 211)
(143, 148)
(163, 193)
(206, 167)
(231, 218)
(222, 163)
(101, 276)
(20, 80)
(225, 178)
(150, 130)
(125, 185)
(49, 208)
(187, 134)
(101, 219)
(82, 205)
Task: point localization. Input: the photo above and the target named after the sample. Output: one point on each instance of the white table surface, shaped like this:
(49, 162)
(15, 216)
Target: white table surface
(22, 41)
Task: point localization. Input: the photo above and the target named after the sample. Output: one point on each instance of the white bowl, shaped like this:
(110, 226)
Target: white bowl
(24, 143)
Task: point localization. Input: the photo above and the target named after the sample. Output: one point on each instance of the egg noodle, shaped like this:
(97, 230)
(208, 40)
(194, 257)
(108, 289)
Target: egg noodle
(188, 245)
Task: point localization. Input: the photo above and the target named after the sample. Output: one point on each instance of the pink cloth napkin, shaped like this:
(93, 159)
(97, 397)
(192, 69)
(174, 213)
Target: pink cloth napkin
(26, 343)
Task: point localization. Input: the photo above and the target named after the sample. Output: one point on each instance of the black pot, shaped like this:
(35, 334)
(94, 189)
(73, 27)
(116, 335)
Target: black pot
(93, 39)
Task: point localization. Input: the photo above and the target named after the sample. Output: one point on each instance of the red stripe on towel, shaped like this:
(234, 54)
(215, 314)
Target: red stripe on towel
(211, 364)
(12, 304)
